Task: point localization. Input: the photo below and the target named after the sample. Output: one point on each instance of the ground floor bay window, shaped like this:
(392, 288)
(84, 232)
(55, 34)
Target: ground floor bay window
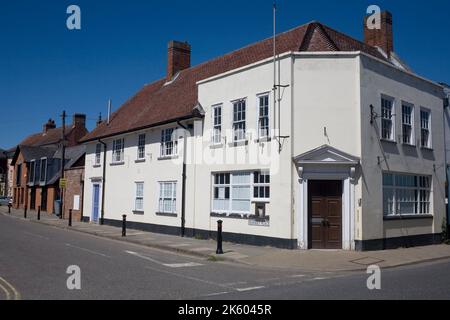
(233, 192)
(406, 194)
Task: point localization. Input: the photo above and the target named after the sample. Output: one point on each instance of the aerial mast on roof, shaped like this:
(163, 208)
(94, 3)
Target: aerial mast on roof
(277, 97)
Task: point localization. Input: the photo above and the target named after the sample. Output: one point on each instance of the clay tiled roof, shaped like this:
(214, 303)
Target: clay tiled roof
(158, 103)
(52, 136)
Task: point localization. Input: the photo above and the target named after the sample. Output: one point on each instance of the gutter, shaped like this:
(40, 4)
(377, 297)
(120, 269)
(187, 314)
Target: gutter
(138, 128)
(102, 213)
(183, 185)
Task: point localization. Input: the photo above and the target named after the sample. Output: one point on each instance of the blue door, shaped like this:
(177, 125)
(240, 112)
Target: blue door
(96, 202)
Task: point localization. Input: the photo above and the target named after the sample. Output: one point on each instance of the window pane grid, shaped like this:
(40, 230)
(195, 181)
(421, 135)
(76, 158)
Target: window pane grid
(217, 124)
(387, 131)
(141, 146)
(263, 119)
(168, 146)
(406, 194)
(239, 120)
(167, 197)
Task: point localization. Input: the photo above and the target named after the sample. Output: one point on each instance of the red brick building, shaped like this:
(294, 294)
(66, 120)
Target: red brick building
(37, 164)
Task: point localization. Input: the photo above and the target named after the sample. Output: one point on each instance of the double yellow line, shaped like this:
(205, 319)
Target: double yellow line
(10, 291)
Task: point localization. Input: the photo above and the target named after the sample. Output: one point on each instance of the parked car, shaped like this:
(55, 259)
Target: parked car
(4, 201)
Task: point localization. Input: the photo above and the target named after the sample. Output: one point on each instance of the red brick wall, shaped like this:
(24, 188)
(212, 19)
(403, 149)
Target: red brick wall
(74, 187)
(382, 37)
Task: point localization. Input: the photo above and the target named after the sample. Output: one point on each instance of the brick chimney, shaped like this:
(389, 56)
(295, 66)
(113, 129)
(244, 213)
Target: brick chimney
(79, 120)
(178, 58)
(49, 125)
(382, 37)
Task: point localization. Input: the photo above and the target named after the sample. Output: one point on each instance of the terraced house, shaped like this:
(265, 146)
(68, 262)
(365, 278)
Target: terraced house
(332, 143)
(37, 163)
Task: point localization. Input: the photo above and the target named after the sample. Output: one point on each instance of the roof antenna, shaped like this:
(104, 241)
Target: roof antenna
(277, 97)
(109, 111)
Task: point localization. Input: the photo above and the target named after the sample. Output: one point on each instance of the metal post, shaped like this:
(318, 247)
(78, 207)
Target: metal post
(9, 208)
(70, 217)
(63, 155)
(25, 212)
(39, 213)
(219, 237)
(124, 225)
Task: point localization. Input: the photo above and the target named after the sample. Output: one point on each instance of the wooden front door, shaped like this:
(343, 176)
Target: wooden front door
(325, 214)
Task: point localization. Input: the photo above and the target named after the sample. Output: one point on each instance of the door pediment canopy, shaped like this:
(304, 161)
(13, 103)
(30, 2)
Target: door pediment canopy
(326, 155)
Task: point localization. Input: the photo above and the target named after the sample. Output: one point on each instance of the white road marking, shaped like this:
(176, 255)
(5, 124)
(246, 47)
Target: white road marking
(182, 265)
(216, 294)
(170, 265)
(297, 275)
(11, 287)
(88, 250)
(249, 289)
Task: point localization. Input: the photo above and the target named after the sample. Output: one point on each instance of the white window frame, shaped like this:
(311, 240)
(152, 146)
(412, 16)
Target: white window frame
(419, 189)
(118, 153)
(390, 119)
(168, 142)
(239, 134)
(141, 146)
(410, 124)
(259, 117)
(43, 160)
(216, 136)
(232, 184)
(31, 177)
(138, 196)
(98, 154)
(259, 185)
(428, 129)
(173, 197)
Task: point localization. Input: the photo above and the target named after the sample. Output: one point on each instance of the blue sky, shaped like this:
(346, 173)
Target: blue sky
(45, 68)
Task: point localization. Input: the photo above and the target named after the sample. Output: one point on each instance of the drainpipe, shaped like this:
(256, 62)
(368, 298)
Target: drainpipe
(102, 213)
(447, 167)
(183, 185)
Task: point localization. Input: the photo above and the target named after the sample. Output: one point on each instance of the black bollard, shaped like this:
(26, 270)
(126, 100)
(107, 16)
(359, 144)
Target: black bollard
(39, 213)
(9, 207)
(70, 217)
(25, 212)
(219, 237)
(124, 225)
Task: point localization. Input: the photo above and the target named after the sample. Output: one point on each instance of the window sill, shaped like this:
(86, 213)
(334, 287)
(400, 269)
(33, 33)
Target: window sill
(238, 143)
(388, 141)
(96, 165)
(139, 160)
(216, 146)
(239, 216)
(260, 200)
(263, 139)
(168, 157)
(140, 212)
(117, 163)
(166, 214)
(408, 145)
(408, 217)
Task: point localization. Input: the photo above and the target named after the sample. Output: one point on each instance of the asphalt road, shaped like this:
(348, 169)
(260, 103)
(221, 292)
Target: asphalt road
(34, 259)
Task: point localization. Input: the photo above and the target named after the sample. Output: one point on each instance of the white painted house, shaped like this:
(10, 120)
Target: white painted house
(345, 151)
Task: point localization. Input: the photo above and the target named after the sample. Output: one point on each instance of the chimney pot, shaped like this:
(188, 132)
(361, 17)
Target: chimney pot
(178, 57)
(49, 125)
(383, 37)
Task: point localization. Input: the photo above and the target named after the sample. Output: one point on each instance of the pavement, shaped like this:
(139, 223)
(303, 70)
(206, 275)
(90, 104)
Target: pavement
(38, 261)
(263, 257)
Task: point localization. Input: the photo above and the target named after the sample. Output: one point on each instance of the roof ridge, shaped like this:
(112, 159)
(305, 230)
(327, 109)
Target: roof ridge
(246, 46)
